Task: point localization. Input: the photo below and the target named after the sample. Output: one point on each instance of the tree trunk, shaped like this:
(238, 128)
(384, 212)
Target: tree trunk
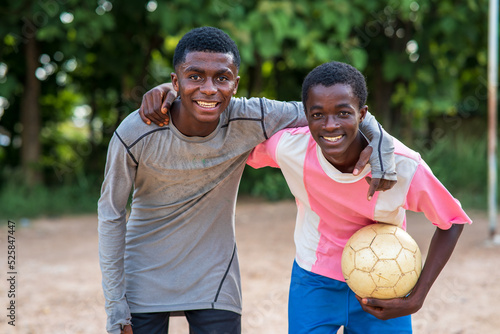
(30, 116)
(382, 99)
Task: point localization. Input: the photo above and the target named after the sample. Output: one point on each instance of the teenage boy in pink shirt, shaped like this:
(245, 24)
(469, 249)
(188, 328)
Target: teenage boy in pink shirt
(318, 162)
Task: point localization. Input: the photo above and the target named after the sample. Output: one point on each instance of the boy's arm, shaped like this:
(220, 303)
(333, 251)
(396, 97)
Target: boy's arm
(428, 195)
(441, 247)
(380, 154)
(118, 180)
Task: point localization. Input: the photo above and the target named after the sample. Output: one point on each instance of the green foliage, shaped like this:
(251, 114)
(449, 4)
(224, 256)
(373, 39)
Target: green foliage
(20, 201)
(266, 182)
(461, 166)
(459, 161)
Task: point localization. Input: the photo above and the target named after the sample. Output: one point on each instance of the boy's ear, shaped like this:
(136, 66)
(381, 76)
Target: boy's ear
(175, 81)
(236, 85)
(362, 113)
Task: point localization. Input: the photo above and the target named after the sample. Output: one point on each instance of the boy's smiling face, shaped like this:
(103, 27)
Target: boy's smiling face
(334, 115)
(205, 82)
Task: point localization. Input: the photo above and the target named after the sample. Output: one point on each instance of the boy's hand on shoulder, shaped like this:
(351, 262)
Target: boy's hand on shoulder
(156, 103)
(376, 184)
(385, 309)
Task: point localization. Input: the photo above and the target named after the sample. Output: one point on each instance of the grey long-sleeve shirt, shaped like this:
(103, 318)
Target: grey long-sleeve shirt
(177, 251)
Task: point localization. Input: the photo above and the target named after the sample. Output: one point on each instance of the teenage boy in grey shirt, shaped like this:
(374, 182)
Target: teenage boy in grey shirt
(177, 251)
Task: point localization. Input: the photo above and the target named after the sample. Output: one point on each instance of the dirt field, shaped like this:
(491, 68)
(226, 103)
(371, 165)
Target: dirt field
(58, 279)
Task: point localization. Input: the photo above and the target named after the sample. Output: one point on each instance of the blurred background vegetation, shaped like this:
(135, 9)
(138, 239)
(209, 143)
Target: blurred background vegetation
(71, 70)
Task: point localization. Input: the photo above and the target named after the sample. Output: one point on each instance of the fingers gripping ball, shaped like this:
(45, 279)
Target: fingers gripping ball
(381, 261)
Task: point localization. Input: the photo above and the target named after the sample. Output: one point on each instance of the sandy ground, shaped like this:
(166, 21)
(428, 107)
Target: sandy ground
(58, 279)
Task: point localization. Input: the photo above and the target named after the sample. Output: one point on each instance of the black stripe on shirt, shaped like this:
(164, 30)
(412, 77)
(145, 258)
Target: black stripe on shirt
(147, 134)
(127, 148)
(224, 277)
(379, 148)
(262, 119)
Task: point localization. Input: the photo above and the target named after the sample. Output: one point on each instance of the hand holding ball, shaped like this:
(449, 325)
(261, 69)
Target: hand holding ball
(381, 261)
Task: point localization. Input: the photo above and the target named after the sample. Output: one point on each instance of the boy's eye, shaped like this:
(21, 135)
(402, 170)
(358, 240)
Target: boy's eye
(316, 115)
(344, 113)
(223, 79)
(194, 77)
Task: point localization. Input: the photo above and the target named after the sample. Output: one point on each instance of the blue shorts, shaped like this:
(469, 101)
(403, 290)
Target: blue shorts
(321, 305)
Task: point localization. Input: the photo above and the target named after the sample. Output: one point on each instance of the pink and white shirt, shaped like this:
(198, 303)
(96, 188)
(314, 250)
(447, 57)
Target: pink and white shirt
(331, 205)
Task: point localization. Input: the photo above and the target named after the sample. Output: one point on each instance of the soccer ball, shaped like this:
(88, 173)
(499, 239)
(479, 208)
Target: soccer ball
(381, 261)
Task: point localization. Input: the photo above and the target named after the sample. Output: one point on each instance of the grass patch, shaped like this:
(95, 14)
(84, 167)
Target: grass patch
(19, 201)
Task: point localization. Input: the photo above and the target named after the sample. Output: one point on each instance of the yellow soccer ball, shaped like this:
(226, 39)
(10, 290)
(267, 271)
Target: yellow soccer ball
(381, 261)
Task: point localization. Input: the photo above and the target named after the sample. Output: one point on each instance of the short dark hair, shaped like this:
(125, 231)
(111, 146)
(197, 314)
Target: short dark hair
(206, 39)
(332, 73)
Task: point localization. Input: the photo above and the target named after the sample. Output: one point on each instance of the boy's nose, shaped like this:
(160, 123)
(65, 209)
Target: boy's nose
(331, 122)
(208, 88)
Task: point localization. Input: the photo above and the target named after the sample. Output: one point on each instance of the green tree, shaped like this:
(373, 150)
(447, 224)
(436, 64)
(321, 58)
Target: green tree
(30, 33)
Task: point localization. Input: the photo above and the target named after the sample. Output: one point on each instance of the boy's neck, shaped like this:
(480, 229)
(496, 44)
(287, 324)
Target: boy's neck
(354, 152)
(186, 126)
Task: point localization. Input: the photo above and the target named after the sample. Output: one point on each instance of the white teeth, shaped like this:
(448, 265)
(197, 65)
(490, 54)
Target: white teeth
(333, 139)
(206, 104)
